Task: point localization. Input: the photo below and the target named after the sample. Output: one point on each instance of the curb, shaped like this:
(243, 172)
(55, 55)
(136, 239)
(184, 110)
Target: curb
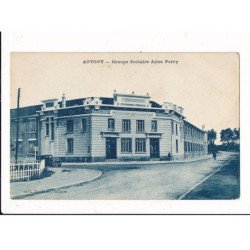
(76, 184)
(128, 164)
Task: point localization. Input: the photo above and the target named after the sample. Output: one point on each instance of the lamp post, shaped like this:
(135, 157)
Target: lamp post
(17, 123)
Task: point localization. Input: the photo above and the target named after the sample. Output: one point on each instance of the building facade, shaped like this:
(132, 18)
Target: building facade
(124, 127)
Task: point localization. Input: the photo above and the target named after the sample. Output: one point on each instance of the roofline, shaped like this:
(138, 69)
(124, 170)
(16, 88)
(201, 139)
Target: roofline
(131, 95)
(103, 105)
(194, 126)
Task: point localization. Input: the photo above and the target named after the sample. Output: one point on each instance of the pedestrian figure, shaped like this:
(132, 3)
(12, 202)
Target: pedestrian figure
(214, 154)
(169, 156)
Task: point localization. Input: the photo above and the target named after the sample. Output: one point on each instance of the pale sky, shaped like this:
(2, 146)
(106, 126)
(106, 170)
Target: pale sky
(206, 85)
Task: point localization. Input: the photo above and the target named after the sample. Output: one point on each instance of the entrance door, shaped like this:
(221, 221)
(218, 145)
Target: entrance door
(111, 148)
(154, 148)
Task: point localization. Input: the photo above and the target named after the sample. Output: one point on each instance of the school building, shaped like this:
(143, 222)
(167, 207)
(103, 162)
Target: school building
(124, 127)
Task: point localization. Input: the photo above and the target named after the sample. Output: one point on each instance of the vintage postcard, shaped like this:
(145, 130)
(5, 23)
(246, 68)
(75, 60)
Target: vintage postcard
(124, 126)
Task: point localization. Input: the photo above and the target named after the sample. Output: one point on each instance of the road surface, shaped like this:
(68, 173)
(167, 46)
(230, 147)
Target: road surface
(206, 179)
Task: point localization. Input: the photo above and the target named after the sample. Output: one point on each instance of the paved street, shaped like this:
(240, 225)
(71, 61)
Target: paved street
(224, 184)
(155, 182)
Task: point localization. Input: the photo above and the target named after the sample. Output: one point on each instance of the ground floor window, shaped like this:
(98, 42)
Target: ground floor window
(20, 147)
(31, 147)
(140, 145)
(177, 146)
(126, 145)
(185, 146)
(70, 145)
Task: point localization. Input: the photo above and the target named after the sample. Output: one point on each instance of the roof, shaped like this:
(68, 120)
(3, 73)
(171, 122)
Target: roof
(107, 100)
(155, 104)
(185, 121)
(25, 111)
(31, 110)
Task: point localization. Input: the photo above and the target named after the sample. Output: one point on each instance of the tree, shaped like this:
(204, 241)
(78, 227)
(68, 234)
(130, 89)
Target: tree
(236, 135)
(226, 135)
(230, 139)
(236, 139)
(211, 137)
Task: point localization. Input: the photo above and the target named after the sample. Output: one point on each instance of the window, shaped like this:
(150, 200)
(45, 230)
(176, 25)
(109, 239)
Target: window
(32, 136)
(20, 147)
(84, 125)
(126, 145)
(47, 129)
(31, 147)
(49, 104)
(185, 146)
(176, 129)
(126, 126)
(70, 145)
(176, 146)
(111, 124)
(22, 127)
(32, 126)
(52, 125)
(140, 145)
(172, 125)
(140, 126)
(154, 126)
(188, 144)
(70, 126)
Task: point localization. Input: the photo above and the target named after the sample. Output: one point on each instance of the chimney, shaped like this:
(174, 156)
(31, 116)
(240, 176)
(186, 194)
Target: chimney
(63, 101)
(203, 127)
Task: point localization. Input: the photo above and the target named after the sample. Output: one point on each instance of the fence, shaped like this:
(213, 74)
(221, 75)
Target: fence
(26, 170)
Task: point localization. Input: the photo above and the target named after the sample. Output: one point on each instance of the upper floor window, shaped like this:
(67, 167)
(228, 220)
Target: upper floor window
(126, 126)
(32, 126)
(47, 126)
(70, 126)
(52, 125)
(140, 126)
(49, 104)
(172, 126)
(84, 125)
(111, 124)
(154, 126)
(176, 129)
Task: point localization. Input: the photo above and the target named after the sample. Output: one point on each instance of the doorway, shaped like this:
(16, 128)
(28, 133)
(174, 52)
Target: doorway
(154, 148)
(111, 148)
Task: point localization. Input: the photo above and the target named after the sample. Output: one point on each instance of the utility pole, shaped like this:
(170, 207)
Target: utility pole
(17, 123)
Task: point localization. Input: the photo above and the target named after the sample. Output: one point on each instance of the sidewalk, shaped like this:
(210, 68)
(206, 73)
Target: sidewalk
(62, 178)
(109, 165)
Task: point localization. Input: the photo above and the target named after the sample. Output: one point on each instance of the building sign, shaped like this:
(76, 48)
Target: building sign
(132, 100)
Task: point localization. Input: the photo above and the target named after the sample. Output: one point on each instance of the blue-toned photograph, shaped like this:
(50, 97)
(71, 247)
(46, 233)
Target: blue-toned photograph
(124, 126)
